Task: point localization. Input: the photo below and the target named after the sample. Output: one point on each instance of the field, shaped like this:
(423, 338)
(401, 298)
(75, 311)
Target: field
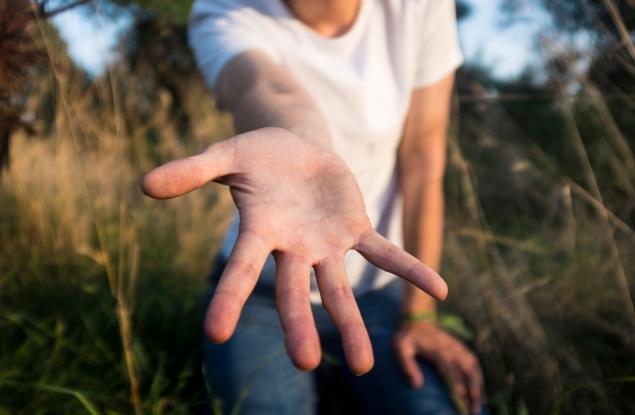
(101, 288)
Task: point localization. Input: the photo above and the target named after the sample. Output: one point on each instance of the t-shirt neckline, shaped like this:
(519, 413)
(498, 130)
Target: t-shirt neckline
(340, 40)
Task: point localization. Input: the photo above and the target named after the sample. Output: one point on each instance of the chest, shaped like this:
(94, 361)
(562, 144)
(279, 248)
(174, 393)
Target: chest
(361, 85)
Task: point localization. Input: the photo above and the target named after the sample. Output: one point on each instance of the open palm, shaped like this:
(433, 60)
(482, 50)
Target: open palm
(302, 204)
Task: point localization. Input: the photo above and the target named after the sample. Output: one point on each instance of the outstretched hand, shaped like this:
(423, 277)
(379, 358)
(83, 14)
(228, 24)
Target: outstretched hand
(302, 204)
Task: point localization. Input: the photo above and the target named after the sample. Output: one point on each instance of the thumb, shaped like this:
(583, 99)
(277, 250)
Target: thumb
(408, 361)
(179, 177)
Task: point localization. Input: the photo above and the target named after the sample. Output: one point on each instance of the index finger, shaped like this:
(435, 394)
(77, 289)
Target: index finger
(474, 378)
(384, 254)
(235, 285)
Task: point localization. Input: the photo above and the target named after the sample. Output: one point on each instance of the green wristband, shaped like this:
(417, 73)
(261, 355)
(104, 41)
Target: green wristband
(418, 317)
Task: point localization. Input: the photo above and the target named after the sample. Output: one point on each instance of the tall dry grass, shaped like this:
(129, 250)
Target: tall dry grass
(71, 194)
(541, 247)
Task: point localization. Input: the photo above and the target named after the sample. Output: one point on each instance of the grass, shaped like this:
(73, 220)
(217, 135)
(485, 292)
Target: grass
(100, 288)
(96, 279)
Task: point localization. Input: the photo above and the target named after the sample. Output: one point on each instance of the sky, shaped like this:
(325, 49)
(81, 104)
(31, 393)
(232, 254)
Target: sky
(507, 50)
(90, 39)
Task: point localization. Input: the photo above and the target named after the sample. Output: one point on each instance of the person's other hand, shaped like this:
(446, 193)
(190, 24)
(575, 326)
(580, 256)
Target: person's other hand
(303, 204)
(427, 340)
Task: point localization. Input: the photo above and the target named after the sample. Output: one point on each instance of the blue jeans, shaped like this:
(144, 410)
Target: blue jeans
(252, 374)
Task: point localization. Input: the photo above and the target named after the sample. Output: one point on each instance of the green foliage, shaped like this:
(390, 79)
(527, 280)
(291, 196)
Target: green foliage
(61, 339)
(174, 11)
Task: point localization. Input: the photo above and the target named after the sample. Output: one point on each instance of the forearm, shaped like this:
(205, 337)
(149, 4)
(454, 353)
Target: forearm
(423, 232)
(421, 165)
(260, 94)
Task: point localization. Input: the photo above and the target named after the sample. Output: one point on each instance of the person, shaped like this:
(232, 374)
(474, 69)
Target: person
(342, 109)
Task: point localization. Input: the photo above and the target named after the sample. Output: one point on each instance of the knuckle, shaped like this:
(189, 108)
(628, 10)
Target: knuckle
(341, 292)
(353, 325)
(291, 294)
(470, 361)
(446, 356)
(474, 367)
(244, 266)
(460, 388)
(399, 341)
(225, 300)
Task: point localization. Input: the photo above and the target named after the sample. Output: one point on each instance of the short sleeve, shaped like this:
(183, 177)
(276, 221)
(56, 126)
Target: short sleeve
(439, 48)
(218, 30)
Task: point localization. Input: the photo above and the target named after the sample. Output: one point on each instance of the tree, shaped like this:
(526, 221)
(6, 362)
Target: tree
(19, 55)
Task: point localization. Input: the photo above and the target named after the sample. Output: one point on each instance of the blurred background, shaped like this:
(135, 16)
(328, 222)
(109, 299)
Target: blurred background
(100, 287)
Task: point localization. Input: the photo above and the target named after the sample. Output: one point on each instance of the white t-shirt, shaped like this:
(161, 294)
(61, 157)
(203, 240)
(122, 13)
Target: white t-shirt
(361, 81)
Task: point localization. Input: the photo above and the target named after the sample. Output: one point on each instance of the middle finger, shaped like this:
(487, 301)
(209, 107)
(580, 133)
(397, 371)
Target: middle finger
(294, 308)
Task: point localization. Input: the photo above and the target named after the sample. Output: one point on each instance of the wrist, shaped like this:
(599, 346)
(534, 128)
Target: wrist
(415, 301)
(427, 316)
